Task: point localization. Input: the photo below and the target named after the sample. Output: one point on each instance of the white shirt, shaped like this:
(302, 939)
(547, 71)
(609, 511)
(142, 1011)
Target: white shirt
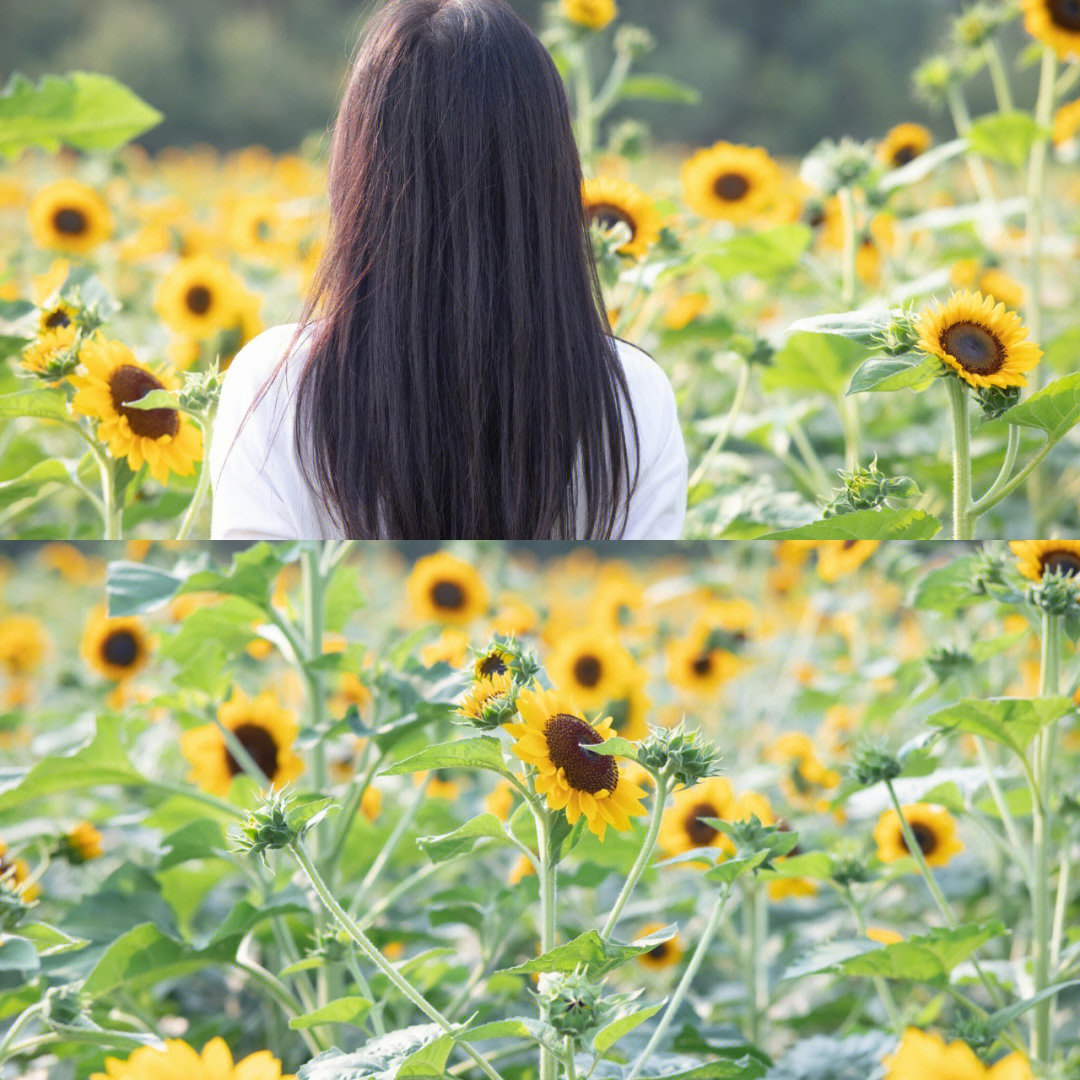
(260, 492)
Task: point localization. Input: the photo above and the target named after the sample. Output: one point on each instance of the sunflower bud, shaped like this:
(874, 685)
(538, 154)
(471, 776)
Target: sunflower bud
(901, 336)
(946, 662)
(975, 27)
(681, 752)
(933, 78)
(874, 766)
(978, 1032)
(850, 867)
(1056, 594)
(572, 1002)
(201, 390)
(867, 489)
(491, 702)
(633, 41)
(751, 837)
(988, 571)
(280, 822)
(505, 655)
(65, 1005)
(996, 400)
(832, 166)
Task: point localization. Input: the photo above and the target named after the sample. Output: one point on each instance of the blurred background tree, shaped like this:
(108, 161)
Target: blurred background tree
(779, 73)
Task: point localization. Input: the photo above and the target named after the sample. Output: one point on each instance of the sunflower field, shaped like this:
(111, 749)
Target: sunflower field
(876, 340)
(804, 810)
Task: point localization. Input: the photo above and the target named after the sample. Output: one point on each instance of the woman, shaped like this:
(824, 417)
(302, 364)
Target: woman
(460, 380)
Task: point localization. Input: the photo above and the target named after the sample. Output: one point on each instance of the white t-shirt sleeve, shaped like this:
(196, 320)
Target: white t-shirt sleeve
(254, 493)
(658, 504)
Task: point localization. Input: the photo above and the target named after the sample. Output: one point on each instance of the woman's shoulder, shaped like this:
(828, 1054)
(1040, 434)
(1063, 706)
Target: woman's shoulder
(259, 358)
(651, 395)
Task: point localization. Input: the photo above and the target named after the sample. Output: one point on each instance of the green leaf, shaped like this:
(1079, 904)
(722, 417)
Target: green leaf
(483, 752)
(208, 639)
(819, 363)
(1001, 1019)
(732, 869)
(41, 404)
(155, 399)
(927, 958)
(948, 587)
(49, 473)
(244, 916)
(19, 962)
(1055, 409)
(883, 373)
(1013, 722)
(592, 952)
(686, 1067)
(136, 588)
(201, 839)
(516, 1027)
(764, 254)
(345, 1010)
(867, 525)
(612, 747)
(611, 1033)
(428, 1061)
(81, 109)
(646, 87)
(1006, 137)
(382, 1057)
(463, 839)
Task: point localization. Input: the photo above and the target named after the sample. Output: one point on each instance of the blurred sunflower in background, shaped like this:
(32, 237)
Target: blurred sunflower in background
(682, 828)
(1055, 23)
(178, 1059)
(15, 875)
(1035, 557)
(116, 647)
(595, 14)
(23, 643)
(200, 296)
(261, 726)
(731, 183)
(925, 1056)
(904, 143)
(666, 954)
(68, 215)
(444, 588)
(837, 558)
(591, 668)
(933, 827)
(609, 201)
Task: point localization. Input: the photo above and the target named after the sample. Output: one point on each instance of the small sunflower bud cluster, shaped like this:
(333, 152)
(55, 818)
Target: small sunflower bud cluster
(573, 1002)
(934, 77)
(995, 401)
(977, 25)
(751, 837)
(850, 867)
(988, 572)
(901, 336)
(334, 946)
(945, 662)
(872, 765)
(867, 489)
(500, 670)
(1056, 594)
(832, 166)
(680, 752)
(201, 390)
(280, 822)
(64, 1005)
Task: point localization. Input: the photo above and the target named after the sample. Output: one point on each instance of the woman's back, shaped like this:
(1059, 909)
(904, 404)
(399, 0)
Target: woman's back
(257, 476)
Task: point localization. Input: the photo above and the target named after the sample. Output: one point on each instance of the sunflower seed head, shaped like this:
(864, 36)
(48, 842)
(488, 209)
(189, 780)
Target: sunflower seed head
(682, 752)
(995, 401)
(872, 765)
(1056, 594)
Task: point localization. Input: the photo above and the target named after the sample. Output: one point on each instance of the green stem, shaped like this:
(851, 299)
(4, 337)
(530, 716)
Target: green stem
(280, 993)
(643, 857)
(755, 934)
(976, 166)
(203, 486)
(548, 887)
(1012, 447)
(350, 807)
(684, 983)
(17, 1025)
(820, 477)
(963, 520)
(724, 433)
(998, 76)
(380, 961)
(880, 985)
(313, 586)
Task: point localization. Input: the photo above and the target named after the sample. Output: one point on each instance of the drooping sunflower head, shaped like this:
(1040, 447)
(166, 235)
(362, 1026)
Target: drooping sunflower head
(199, 296)
(215, 1062)
(264, 729)
(68, 215)
(904, 143)
(554, 737)
(933, 827)
(837, 558)
(117, 647)
(53, 353)
(1055, 23)
(666, 954)
(591, 668)
(683, 827)
(1035, 557)
(986, 345)
(731, 183)
(444, 588)
(595, 14)
(610, 201)
(922, 1055)
(165, 439)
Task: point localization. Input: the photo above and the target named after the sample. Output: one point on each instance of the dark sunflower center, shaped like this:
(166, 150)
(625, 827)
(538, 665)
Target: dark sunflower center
(585, 771)
(850, 544)
(700, 833)
(57, 318)
(815, 216)
(925, 837)
(129, 383)
(70, 221)
(607, 216)
(702, 665)
(260, 746)
(448, 594)
(659, 952)
(120, 648)
(731, 186)
(1066, 13)
(198, 299)
(1061, 562)
(974, 348)
(587, 670)
(905, 154)
(493, 665)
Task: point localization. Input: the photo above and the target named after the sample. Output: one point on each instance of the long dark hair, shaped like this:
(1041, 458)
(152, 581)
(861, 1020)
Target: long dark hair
(462, 381)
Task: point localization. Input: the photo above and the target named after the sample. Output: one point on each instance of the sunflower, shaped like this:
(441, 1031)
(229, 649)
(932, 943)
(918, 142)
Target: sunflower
(729, 182)
(591, 668)
(1055, 23)
(487, 696)
(491, 662)
(805, 778)
(609, 201)
(451, 647)
(443, 588)
(83, 843)
(514, 616)
(984, 344)
(14, 875)
(904, 143)
(263, 728)
(1067, 122)
(1035, 557)
(199, 297)
(685, 310)
(666, 954)
(166, 439)
(570, 776)
(51, 352)
(922, 1056)
(694, 665)
(884, 936)
(595, 14)
(682, 829)
(23, 642)
(179, 1059)
(70, 216)
(836, 558)
(440, 784)
(629, 711)
(934, 829)
(521, 869)
(117, 647)
(791, 888)
(500, 801)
